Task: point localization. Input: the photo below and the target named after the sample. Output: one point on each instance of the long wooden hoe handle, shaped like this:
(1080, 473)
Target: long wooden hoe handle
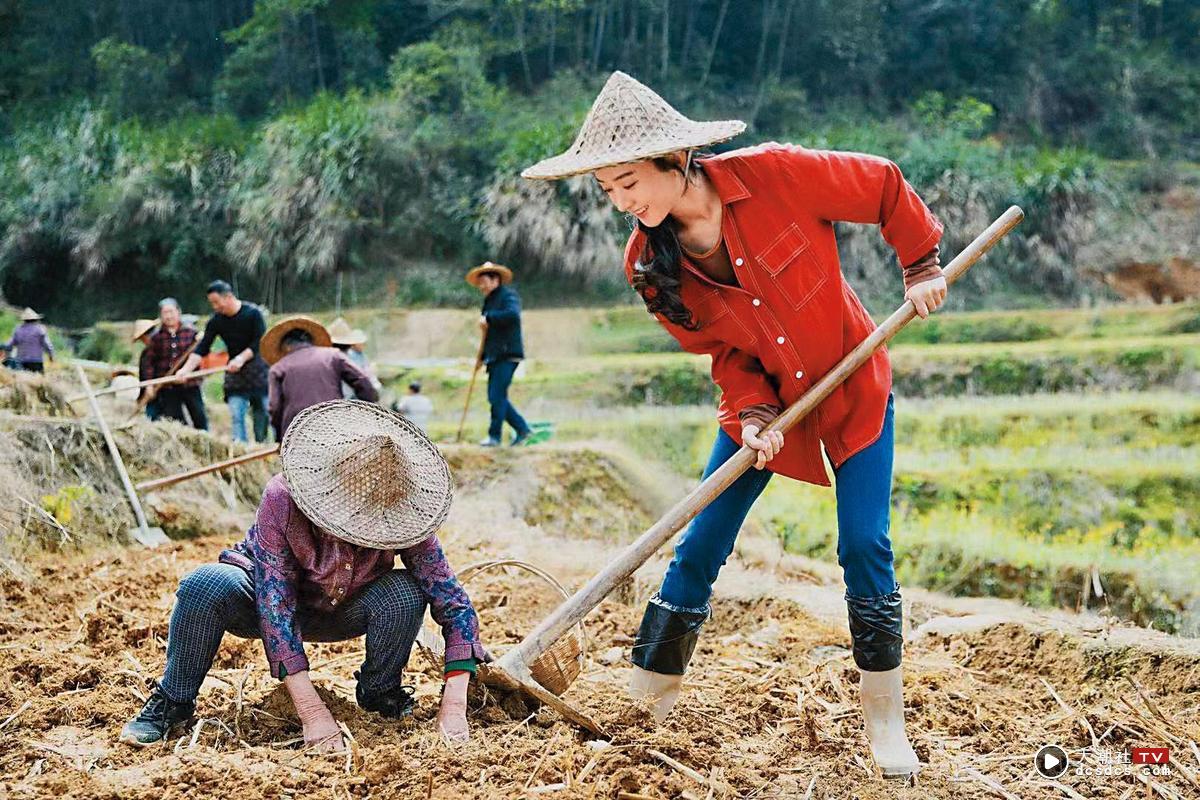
(118, 462)
(170, 480)
(200, 373)
(515, 663)
(471, 388)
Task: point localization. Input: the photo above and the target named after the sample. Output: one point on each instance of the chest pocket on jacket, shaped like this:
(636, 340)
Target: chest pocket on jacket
(789, 260)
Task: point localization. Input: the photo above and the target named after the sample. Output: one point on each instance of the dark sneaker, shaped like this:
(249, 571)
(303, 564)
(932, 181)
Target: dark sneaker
(397, 703)
(156, 719)
(520, 439)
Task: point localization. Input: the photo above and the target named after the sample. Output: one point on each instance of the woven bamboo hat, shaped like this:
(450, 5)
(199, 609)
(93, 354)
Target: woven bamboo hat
(341, 333)
(365, 474)
(141, 327)
(504, 272)
(630, 122)
(29, 315)
(271, 346)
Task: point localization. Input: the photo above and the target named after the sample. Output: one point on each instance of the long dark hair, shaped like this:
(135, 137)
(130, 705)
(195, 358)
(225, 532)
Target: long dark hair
(656, 273)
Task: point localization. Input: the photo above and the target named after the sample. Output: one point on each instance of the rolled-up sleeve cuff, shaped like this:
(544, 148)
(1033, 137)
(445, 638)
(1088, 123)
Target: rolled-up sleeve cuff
(467, 650)
(289, 665)
(912, 252)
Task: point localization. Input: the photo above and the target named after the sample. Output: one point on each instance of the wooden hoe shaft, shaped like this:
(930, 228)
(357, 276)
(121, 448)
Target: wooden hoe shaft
(200, 373)
(109, 442)
(462, 421)
(515, 663)
(158, 483)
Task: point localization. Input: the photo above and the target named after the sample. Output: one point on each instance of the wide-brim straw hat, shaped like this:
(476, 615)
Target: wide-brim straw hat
(366, 475)
(29, 315)
(271, 346)
(630, 122)
(341, 333)
(143, 326)
(504, 272)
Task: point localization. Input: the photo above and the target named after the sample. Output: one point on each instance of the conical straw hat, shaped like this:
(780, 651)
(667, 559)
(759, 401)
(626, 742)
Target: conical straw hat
(630, 122)
(29, 315)
(143, 326)
(365, 474)
(341, 333)
(270, 347)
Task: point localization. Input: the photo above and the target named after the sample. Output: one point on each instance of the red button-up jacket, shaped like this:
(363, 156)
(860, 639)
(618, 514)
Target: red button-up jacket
(793, 316)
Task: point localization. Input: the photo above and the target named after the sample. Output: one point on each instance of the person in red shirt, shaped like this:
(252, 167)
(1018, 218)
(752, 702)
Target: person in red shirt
(736, 257)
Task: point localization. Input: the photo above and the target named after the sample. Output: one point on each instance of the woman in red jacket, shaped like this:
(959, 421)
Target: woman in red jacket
(736, 257)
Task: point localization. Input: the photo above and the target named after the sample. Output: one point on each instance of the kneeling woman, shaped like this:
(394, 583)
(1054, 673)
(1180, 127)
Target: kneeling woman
(736, 257)
(359, 485)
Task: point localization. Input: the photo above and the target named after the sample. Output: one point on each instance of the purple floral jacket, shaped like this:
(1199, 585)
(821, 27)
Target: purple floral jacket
(294, 562)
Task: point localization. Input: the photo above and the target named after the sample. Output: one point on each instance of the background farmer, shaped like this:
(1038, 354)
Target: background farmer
(317, 565)
(240, 326)
(736, 257)
(167, 349)
(142, 328)
(306, 370)
(30, 345)
(415, 407)
(500, 321)
(351, 341)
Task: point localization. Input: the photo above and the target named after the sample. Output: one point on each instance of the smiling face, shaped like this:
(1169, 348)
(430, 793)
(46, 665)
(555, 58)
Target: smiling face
(643, 188)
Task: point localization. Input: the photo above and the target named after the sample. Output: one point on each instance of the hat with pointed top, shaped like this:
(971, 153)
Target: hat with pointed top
(629, 122)
(341, 333)
(365, 474)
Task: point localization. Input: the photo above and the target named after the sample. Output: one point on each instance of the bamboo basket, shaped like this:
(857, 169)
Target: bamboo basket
(556, 669)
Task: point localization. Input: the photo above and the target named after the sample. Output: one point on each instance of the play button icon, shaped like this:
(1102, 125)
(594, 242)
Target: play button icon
(1051, 761)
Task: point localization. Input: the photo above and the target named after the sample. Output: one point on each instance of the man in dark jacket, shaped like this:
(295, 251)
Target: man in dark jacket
(500, 320)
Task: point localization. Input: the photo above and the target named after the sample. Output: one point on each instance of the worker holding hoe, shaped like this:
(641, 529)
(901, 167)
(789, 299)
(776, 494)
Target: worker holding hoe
(736, 257)
(502, 350)
(360, 485)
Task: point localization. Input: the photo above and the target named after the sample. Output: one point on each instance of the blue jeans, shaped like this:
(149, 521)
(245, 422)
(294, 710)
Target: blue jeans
(220, 597)
(864, 490)
(500, 375)
(256, 404)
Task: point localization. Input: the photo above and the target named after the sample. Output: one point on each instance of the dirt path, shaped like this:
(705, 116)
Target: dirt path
(770, 708)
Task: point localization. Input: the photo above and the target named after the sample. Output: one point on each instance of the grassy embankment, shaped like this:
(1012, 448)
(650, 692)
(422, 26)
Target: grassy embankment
(1033, 448)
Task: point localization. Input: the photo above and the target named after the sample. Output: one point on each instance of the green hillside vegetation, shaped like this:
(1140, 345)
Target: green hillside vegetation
(323, 153)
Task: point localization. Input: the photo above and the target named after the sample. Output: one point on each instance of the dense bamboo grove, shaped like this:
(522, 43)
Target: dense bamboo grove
(283, 142)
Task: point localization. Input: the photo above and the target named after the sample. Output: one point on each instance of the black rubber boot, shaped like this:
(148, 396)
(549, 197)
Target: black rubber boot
(666, 639)
(877, 631)
(664, 646)
(397, 703)
(156, 719)
(876, 628)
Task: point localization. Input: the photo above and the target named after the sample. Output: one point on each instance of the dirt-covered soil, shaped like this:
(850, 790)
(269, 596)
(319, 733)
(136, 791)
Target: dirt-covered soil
(770, 708)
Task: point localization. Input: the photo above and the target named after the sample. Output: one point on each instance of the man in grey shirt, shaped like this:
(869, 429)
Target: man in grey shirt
(416, 407)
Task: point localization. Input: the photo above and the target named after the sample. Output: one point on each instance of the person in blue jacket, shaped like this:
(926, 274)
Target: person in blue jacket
(500, 321)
